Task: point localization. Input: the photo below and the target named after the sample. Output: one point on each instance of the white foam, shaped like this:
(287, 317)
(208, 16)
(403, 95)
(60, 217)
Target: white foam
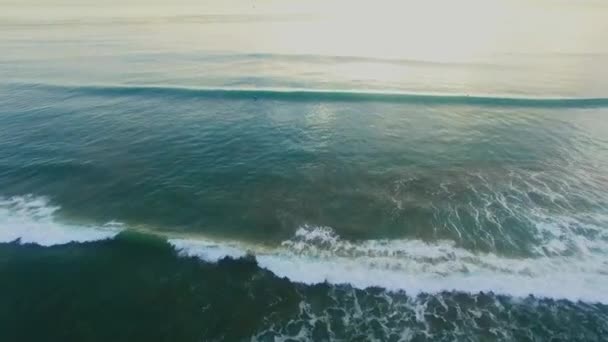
(30, 219)
(207, 250)
(316, 255)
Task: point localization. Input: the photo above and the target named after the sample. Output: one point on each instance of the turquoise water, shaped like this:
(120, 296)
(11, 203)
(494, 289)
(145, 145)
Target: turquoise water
(157, 184)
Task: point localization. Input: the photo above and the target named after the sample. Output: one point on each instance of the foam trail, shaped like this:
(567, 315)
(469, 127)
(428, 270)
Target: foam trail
(308, 95)
(30, 219)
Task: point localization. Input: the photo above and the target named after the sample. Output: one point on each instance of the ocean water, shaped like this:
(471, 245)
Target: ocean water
(264, 171)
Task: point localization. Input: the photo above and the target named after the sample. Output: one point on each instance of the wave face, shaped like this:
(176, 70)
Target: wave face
(313, 286)
(313, 95)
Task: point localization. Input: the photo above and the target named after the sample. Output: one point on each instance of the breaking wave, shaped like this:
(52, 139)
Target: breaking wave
(318, 255)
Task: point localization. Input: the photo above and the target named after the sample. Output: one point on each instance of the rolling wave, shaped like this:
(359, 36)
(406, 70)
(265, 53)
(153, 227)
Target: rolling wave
(318, 255)
(313, 95)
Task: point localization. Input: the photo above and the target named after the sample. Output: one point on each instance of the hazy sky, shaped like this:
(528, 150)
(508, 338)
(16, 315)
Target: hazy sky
(454, 29)
(556, 47)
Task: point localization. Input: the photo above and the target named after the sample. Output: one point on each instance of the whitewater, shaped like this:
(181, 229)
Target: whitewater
(317, 255)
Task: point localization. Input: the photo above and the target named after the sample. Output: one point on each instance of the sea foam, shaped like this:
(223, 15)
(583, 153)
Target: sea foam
(30, 219)
(316, 255)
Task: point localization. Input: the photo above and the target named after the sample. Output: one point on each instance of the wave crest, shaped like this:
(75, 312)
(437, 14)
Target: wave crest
(318, 254)
(309, 95)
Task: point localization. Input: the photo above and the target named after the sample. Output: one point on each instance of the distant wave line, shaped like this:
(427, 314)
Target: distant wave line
(355, 59)
(311, 95)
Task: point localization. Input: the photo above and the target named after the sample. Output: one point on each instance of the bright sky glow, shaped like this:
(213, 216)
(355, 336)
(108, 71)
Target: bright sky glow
(463, 32)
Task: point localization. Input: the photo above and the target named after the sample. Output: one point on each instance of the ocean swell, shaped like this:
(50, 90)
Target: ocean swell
(316, 95)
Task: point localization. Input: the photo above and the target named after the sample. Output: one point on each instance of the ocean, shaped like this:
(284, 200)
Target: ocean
(281, 171)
